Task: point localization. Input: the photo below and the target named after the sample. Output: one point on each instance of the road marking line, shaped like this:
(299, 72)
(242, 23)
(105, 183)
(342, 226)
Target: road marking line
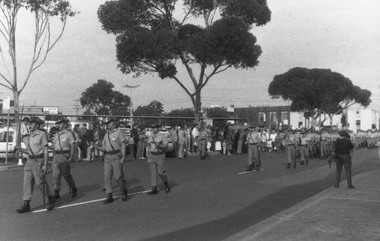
(87, 202)
(354, 199)
(246, 172)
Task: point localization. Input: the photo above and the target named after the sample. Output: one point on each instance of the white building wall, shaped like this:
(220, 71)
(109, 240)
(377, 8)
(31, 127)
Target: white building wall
(361, 119)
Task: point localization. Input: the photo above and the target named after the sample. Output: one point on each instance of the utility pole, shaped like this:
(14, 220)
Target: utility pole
(130, 87)
(77, 105)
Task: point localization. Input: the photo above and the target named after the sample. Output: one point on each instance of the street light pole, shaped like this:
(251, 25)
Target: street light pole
(131, 105)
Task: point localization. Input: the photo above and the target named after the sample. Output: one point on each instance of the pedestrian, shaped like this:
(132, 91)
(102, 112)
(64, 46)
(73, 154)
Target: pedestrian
(181, 142)
(157, 144)
(63, 146)
(136, 136)
(343, 147)
(82, 132)
(253, 140)
(24, 130)
(113, 146)
(36, 165)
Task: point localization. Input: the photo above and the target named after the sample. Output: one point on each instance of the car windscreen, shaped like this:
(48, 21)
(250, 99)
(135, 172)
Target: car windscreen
(3, 136)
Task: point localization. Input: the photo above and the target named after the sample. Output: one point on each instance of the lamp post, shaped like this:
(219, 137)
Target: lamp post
(131, 105)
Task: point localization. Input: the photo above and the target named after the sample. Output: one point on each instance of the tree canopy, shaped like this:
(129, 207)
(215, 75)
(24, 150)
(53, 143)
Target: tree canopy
(317, 91)
(103, 100)
(153, 37)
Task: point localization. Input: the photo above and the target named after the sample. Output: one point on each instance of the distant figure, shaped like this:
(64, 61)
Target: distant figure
(343, 148)
(24, 130)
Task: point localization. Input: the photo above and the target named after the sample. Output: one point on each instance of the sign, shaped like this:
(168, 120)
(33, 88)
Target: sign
(6, 103)
(51, 110)
(32, 110)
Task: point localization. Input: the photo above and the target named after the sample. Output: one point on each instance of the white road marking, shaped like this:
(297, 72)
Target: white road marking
(87, 202)
(246, 172)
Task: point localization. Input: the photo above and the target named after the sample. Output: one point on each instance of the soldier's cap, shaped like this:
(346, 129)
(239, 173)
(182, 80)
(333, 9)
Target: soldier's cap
(36, 120)
(62, 120)
(112, 119)
(156, 126)
(25, 118)
(343, 133)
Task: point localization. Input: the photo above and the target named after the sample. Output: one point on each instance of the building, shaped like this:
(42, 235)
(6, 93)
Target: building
(361, 119)
(274, 116)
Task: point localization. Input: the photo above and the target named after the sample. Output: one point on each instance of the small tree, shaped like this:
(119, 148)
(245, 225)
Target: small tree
(150, 39)
(103, 100)
(317, 91)
(44, 41)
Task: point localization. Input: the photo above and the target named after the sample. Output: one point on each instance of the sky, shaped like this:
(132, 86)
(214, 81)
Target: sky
(341, 35)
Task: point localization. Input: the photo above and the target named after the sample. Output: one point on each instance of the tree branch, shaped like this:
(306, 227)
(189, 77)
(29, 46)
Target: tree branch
(6, 86)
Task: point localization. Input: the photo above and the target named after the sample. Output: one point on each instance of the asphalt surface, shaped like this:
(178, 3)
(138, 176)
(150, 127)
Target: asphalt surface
(212, 199)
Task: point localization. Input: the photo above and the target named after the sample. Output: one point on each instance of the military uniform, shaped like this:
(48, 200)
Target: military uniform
(114, 149)
(156, 160)
(291, 143)
(253, 140)
(304, 149)
(33, 170)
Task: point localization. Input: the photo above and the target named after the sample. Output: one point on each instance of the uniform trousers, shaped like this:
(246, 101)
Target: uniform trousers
(202, 147)
(33, 175)
(254, 155)
(343, 160)
(61, 167)
(113, 167)
(304, 153)
(239, 146)
(291, 150)
(157, 165)
(181, 149)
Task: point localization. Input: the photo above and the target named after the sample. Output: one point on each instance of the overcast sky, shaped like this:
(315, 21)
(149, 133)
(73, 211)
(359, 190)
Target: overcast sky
(342, 35)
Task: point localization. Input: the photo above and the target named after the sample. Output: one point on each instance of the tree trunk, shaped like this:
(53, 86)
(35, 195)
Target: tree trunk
(197, 107)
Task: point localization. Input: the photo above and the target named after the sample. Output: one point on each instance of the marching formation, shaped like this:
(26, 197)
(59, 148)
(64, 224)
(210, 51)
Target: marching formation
(153, 144)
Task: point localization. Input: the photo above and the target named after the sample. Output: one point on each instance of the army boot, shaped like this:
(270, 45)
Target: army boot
(294, 165)
(51, 203)
(288, 166)
(56, 194)
(167, 188)
(109, 199)
(124, 196)
(25, 207)
(153, 191)
(74, 192)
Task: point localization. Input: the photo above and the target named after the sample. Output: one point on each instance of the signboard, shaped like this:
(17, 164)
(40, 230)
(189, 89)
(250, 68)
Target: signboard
(51, 110)
(6, 103)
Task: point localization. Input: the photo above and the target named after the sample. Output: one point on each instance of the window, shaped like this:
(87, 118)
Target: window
(273, 117)
(3, 137)
(262, 118)
(284, 115)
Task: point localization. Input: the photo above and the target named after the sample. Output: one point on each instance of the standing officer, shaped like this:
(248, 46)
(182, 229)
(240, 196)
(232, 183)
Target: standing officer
(202, 142)
(36, 164)
(291, 143)
(157, 144)
(343, 148)
(113, 146)
(304, 149)
(253, 140)
(64, 147)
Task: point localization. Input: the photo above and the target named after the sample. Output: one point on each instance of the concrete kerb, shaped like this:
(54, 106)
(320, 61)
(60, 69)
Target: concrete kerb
(257, 230)
(9, 167)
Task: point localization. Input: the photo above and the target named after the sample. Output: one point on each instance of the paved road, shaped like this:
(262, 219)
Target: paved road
(210, 200)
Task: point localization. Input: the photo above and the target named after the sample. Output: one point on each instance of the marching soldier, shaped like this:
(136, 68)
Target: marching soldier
(253, 140)
(36, 165)
(64, 149)
(291, 143)
(157, 144)
(113, 146)
(304, 142)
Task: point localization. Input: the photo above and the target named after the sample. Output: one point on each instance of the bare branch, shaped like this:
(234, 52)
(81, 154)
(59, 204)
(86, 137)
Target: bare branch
(6, 86)
(183, 86)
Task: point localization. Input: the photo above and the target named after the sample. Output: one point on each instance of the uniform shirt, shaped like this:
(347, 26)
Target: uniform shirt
(343, 146)
(181, 136)
(203, 135)
(113, 140)
(253, 137)
(156, 139)
(36, 141)
(304, 139)
(63, 140)
(291, 139)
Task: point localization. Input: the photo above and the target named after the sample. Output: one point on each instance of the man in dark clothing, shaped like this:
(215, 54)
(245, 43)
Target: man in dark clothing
(343, 147)
(135, 135)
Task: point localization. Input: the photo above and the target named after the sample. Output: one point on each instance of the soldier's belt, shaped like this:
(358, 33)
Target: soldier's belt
(61, 152)
(37, 156)
(156, 153)
(253, 143)
(112, 152)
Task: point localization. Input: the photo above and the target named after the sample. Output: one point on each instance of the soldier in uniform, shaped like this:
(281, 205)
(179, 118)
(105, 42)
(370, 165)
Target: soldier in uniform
(343, 148)
(64, 149)
(253, 141)
(202, 142)
(113, 146)
(157, 144)
(304, 149)
(36, 164)
(291, 143)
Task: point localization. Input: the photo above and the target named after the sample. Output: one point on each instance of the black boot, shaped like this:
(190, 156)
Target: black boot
(109, 199)
(302, 163)
(294, 165)
(288, 166)
(153, 191)
(74, 192)
(250, 168)
(25, 207)
(51, 203)
(167, 188)
(124, 196)
(56, 195)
